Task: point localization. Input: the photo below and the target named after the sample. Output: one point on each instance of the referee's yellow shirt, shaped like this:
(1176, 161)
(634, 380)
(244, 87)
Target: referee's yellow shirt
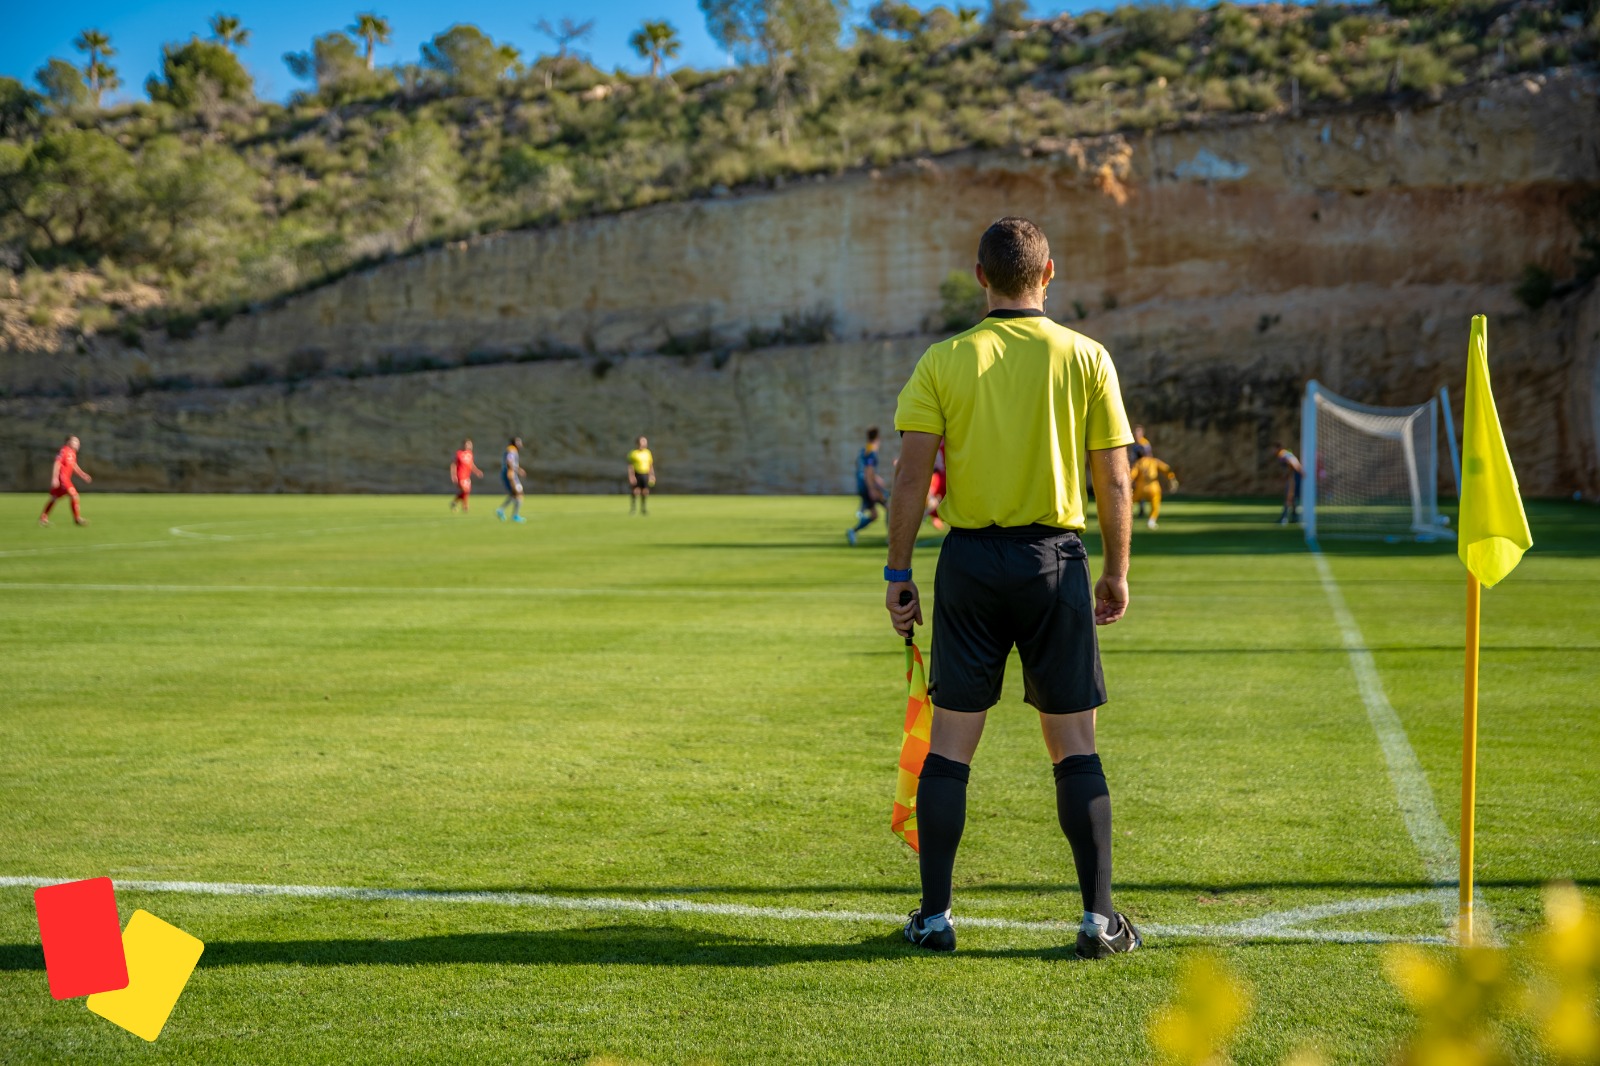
(1020, 401)
(641, 460)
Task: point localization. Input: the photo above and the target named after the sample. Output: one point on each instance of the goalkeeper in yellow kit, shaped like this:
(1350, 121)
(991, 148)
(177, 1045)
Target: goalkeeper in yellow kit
(1148, 472)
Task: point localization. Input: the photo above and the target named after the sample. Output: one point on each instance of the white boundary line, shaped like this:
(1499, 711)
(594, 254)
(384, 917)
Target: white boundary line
(422, 590)
(1434, 842)
(1283, 925)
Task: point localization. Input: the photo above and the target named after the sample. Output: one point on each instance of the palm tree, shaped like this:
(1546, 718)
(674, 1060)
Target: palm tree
(372, 28)
(101, 76)
(227, 30)
(657, 42)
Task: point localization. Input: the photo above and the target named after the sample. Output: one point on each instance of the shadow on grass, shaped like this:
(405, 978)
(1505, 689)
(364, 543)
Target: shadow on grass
(629, 944)
(907, 889)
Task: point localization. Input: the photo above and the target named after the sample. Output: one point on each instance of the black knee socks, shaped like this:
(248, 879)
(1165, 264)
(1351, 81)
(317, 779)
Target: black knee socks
(941, 816)
(1083, 804)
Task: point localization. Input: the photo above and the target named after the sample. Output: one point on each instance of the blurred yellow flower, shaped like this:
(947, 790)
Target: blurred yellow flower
(1455, 995)
(1563, 998)
(1210, 1007)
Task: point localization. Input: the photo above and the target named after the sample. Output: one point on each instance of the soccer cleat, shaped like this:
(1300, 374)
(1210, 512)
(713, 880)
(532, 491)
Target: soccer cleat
(43, 521)
(80, 521)
(1101, 946)
(500, 513)
(850, 535)
(518, 518)
(1151, 524)
(936, 933)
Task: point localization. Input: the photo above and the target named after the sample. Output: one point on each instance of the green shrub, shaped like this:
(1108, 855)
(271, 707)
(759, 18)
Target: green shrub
(962, 302)
(1536, 288)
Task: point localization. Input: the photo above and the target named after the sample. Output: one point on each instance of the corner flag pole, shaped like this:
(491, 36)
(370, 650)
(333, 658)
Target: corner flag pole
(1469, 759)
(1493, 534)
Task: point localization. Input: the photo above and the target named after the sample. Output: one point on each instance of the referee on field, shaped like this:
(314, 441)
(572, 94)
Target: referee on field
(1022, 403)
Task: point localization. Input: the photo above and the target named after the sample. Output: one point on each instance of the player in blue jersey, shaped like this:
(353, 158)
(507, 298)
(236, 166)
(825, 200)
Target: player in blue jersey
(511, 475)
(869, 486)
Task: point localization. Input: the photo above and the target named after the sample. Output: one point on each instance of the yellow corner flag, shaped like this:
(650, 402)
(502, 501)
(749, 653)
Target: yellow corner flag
(1492, 528)
(1493, 532)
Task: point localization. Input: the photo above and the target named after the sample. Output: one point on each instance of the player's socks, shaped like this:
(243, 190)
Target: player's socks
(1083, 806)
(941, 817)
(863, 520)
(77, 515)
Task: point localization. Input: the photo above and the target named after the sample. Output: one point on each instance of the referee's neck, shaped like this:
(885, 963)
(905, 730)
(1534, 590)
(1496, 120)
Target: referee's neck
(1030, 301)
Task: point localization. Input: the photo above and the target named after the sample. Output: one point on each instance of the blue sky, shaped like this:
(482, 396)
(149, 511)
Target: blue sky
(36, 31)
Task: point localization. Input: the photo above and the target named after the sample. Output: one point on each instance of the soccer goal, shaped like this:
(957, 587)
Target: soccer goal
(1373, 472)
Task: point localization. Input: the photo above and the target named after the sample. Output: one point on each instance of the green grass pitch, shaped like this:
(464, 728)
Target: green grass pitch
(705, 705)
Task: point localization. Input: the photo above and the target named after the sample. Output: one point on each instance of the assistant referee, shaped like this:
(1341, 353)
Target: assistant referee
(1021, 403)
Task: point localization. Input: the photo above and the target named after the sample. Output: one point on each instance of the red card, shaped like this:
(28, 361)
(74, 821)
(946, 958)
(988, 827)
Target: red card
(82, 938)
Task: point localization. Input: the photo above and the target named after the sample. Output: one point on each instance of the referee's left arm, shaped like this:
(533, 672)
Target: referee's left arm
(906, 507)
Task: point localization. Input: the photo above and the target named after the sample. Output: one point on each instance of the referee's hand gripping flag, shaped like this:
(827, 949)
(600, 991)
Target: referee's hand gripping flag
(914, 748)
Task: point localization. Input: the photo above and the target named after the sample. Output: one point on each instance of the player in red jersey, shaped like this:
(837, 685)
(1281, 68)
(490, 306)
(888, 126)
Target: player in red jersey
(462, 470)
(66, 465)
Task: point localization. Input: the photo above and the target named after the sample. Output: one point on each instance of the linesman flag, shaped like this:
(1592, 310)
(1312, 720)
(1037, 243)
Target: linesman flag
(1493, 534)
(913, 749)
(1492, 528)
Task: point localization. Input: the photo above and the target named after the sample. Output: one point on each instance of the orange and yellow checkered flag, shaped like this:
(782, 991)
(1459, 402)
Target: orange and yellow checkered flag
(914, 749)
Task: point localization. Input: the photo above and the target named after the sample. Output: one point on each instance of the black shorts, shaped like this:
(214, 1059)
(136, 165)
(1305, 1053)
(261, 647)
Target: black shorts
(868, 502)
(638, 480)
(1026, 587)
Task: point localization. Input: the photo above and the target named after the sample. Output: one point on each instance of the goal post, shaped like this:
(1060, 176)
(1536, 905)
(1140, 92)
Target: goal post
(1372, 472)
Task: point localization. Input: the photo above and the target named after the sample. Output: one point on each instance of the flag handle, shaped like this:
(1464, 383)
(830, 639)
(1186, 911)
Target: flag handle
(1469, 759)
(905, 598)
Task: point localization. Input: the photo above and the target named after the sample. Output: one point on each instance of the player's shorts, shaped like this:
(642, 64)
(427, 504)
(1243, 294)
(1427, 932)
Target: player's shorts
(513, 485)
(1151, 491)
(638, 480)
(465, 485)
(1298, 478)
(58, 491)
(1026, 587)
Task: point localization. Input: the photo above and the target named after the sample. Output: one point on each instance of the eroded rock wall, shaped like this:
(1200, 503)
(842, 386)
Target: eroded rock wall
(1213, 387)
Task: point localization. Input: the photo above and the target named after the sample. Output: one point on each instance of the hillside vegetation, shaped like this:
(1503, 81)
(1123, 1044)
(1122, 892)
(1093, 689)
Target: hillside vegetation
(203, 201)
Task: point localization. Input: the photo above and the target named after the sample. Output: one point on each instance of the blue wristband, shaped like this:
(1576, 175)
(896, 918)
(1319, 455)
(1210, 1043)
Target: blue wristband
(896, 575)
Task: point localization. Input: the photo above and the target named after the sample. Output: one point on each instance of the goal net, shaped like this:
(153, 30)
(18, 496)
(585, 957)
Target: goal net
(1372, 472)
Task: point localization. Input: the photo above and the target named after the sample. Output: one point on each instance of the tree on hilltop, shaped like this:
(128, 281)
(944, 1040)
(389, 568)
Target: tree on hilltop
(794, 39)
(65, 91)
(193, 74)
(469, 60)
(100, 75)
(229, 32)
(337, 69)
(374, 30)
(657, 42)
(565, 33)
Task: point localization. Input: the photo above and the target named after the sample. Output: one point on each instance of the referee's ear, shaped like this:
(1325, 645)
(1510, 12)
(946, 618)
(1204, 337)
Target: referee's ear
(1049, 274)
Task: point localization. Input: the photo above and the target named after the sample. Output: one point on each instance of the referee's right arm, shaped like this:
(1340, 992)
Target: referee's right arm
(1113, 503)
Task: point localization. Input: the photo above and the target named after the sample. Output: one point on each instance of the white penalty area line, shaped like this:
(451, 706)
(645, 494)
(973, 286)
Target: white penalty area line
(1435, 844)
(1283, 925)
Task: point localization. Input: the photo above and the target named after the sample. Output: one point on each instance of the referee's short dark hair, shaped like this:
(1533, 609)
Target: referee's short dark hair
(1013, 254)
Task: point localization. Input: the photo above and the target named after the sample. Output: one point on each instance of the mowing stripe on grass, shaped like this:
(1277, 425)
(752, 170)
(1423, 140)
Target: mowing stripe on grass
(1434, 842)
(1279, 926)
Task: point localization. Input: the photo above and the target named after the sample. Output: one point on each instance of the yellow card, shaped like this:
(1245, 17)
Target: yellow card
(160, 959)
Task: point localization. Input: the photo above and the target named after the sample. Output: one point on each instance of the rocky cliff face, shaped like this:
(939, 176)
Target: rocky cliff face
(1223, 266)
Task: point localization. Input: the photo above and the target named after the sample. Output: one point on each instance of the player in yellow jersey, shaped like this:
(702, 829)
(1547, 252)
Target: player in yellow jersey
(1148, 472)
(641, 476)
